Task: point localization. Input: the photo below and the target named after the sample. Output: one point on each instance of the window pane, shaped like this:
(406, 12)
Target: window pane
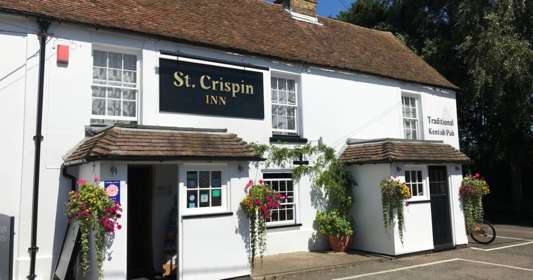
(274, 95)
(291, 123)
(204, 179)
(407, 176)
(129, 109)
(216, 179)
(99, 74)
(129, 77)
(129, 94)
(419, 176)
(192, 199)
(130, 62)
(114, 93)
(192, 179)
(216, 197)
(99, 58)
(115, 60)
(204, 198)
(113, 107)
(98, 106)
(274, 83)
(290, 214)
(114, 77)
(99, 92)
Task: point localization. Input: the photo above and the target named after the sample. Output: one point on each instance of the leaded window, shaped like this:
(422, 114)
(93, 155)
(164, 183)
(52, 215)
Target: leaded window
(410, 117)
(115, 86)
(283, 184)
(284, 106)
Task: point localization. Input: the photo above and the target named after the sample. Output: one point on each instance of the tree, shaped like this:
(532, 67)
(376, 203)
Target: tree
(484, 47)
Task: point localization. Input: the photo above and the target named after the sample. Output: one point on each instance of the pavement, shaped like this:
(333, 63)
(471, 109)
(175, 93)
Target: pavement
(509, 257)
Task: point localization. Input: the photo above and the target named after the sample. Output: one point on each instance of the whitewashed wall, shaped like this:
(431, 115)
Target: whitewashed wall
(334, 105)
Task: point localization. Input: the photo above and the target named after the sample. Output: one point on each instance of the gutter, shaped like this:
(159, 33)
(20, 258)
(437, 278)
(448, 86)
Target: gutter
(38, 138)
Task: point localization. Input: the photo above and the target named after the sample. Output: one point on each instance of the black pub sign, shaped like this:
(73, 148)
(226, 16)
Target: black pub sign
(186, 87)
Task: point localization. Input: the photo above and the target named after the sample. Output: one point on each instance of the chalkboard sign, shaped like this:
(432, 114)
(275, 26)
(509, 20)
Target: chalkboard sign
(6, 247)
(68, 252)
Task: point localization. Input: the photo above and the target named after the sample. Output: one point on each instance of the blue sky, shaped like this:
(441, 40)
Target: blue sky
(331, 8)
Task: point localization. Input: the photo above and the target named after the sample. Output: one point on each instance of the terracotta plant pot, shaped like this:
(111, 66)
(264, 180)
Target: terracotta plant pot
(339, 243)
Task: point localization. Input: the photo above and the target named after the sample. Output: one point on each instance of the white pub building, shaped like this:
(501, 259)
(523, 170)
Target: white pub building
(163, 99)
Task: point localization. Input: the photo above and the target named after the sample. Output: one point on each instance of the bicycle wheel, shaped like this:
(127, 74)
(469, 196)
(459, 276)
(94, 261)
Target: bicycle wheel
(483, 233)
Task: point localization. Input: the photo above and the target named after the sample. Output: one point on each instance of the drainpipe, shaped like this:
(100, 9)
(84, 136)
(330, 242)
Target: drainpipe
(38, 138)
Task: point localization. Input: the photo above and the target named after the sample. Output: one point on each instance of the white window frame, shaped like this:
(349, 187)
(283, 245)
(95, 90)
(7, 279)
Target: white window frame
(297, 106)
(137, 87)
(294, 203)
(224, 190)
(417, 119)
(425, 180)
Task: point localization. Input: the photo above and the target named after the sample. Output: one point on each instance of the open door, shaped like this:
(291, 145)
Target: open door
(139, 230)
(440, 208)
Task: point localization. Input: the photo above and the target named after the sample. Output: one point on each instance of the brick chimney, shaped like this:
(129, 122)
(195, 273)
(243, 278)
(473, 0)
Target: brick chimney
(302, 7)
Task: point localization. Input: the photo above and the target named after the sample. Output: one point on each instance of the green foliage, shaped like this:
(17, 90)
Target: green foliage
(472, 190)
(484, 47)
(333, 223)
(96, 214)
(258, 205)
(393, 194)
(326, 171)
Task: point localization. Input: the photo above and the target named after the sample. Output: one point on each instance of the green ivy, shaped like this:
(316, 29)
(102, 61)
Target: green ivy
(325, 170)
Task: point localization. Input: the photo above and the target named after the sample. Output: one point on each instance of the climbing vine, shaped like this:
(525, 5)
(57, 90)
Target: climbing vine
(393, 194)
(96, 214)
(472, 190)
(326, 171)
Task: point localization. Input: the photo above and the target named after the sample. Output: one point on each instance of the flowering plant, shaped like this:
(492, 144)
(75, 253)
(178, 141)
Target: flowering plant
(94, 210)
(258, 204)
(393, 194)
(472, 190)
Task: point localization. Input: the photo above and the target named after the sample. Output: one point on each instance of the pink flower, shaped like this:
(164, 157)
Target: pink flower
(261, 181)
(257, 202)
(96, 179)
(477, 175)
(81, 182)
(119, 226)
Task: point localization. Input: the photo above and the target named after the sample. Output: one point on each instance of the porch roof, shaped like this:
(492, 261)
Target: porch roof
(400, 150)
(141, 143)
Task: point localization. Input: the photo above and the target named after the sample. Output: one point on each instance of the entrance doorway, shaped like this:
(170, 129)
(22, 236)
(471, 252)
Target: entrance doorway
(440, 207)
(139, 229)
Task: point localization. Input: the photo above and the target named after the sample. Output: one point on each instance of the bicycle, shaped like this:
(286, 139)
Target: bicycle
(483, 233)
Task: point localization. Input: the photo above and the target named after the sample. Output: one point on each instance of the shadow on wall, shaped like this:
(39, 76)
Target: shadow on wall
(61, 221)
(318, 201)
(244, 230)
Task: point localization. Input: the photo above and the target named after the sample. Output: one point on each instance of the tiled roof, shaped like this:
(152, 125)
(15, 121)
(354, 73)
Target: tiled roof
(249, 27)
(138, 143)
(397, 150)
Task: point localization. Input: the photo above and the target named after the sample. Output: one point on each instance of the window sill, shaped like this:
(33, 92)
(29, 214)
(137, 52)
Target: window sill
(276, 138)
(210, 215)
(284, 226)
(419, 201)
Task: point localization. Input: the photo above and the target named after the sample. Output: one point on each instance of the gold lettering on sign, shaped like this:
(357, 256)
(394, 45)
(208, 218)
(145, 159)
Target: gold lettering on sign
(181, 79)
(215, 100)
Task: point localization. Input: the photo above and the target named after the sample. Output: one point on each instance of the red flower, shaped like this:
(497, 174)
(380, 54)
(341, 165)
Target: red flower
(477, 175)
(81, 182)
(257, 202)
(261, 181)
(119, 226)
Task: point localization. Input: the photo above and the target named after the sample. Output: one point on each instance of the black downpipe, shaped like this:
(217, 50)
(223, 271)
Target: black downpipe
(38, 138)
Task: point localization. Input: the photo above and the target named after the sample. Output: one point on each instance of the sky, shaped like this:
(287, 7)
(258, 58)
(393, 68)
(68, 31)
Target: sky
(331, 8)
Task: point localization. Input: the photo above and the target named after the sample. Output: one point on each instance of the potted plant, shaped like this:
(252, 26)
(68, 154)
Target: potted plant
(337, 228)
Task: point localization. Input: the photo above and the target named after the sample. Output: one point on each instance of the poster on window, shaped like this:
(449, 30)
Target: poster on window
(112, 189)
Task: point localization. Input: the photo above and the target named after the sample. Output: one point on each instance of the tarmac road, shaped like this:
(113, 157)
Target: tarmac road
(509, 257)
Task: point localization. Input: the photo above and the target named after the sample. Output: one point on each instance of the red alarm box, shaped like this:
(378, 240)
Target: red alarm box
(62, 54)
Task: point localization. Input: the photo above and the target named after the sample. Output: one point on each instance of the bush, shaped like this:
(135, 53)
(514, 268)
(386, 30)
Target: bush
(332, 223)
